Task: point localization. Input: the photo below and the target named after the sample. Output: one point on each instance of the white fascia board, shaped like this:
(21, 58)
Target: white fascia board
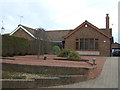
(14, 30)
(24, 30)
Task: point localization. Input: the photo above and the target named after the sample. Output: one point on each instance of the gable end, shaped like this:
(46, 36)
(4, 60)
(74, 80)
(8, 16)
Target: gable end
(85, 24)
(22, 29)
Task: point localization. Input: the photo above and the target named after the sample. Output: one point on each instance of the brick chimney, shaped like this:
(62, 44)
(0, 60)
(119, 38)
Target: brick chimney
(107, 21)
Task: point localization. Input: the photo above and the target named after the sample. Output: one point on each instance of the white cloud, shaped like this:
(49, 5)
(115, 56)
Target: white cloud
(11, 19)
(58, 14)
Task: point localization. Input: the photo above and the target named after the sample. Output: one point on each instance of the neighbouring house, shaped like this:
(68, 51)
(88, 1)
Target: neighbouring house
(86, 39)
(115, 46)
(24, 31)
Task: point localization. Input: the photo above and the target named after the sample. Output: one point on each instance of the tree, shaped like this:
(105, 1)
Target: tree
(40, 38)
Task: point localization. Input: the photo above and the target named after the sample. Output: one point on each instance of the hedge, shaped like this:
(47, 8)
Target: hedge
(12, 45)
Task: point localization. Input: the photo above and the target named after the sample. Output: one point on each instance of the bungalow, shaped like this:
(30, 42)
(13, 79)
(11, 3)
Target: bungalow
(115, 46)
(86, 39)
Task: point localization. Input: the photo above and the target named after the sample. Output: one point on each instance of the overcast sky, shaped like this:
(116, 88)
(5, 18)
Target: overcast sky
(58, 14)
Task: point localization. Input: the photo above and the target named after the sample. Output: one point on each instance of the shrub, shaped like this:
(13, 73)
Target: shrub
(64, 53)
(73, 55)
(69, 54)
(12, 45)
(56, 44)
(56, 50)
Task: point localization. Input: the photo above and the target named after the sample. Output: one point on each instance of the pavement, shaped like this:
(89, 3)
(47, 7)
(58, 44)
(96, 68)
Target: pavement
(107, 79)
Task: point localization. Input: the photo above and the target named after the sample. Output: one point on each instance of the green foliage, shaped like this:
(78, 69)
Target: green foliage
(56, 50)
(12, 45)
(39, 72)
(74, 55)
(64, 53)
(56, 44)
(69, 54)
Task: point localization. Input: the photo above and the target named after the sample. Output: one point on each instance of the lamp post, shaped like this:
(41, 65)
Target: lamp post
(2, 29)
(94, 60)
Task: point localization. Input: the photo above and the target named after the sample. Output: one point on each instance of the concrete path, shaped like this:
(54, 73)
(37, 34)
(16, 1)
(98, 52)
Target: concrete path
(107, 79)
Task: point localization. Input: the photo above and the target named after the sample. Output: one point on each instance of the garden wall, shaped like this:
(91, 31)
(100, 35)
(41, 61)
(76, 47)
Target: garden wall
(66, 75)
(38, 83)
(45, 69)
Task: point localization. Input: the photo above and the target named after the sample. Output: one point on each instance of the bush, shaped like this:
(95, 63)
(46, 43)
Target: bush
(56, 44)
(64, 53)
(74, 55)
(56, 50)
(69, 54)
(12, 45)
(15, 46)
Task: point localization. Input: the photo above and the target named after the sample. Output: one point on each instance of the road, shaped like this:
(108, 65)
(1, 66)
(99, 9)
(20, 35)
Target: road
(107, 79)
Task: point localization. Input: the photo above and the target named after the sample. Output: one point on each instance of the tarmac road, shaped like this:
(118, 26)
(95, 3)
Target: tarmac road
(107, 79)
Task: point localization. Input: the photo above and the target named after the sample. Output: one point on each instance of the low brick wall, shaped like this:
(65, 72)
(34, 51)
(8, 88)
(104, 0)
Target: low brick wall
(68, 75)
(44, 69)
(38, 83)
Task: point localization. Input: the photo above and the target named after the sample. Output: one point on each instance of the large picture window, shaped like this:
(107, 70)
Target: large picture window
(87, 44)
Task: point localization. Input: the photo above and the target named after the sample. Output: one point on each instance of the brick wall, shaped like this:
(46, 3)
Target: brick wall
(88, 32)
(43, 69)
(22, 33)
(64, 78)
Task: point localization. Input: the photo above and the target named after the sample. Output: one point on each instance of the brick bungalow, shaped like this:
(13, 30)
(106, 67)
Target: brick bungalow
(86, 39)
(115, 46)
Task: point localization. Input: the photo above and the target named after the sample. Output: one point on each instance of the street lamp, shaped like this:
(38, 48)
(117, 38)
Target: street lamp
(94, 60)
(2, 29)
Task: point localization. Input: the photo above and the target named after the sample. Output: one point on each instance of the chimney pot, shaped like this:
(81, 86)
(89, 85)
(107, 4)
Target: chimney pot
(107, 21)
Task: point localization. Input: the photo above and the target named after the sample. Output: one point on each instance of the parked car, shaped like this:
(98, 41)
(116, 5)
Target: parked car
(116, 52)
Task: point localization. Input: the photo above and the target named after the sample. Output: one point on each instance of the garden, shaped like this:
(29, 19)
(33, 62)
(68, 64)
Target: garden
(20, 62)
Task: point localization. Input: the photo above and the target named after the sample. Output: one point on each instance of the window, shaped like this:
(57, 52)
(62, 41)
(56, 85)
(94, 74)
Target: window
(96, 43)
(87, 44)
(91, 44)
(81, 44)
(77, 43)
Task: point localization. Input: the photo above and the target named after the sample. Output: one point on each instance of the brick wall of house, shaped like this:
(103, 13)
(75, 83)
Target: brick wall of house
(22, 33)
(89, 32)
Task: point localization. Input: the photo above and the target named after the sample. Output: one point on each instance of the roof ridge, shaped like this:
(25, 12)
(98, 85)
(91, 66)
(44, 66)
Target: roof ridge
(60, 30)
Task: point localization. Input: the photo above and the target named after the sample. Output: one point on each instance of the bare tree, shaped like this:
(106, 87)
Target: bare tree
(42, 42)
(40, 38)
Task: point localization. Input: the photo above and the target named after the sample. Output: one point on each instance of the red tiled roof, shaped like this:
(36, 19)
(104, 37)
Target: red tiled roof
(31, 30)
(53, 35)
(115, 45)
(57, 35)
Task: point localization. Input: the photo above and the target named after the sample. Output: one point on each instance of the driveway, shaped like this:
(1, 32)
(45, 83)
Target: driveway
(107, 79)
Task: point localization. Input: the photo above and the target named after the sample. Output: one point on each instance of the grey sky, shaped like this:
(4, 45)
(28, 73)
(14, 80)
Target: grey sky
(58, 14)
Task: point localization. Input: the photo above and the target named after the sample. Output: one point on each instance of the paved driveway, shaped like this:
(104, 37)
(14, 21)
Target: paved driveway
(107, 79)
